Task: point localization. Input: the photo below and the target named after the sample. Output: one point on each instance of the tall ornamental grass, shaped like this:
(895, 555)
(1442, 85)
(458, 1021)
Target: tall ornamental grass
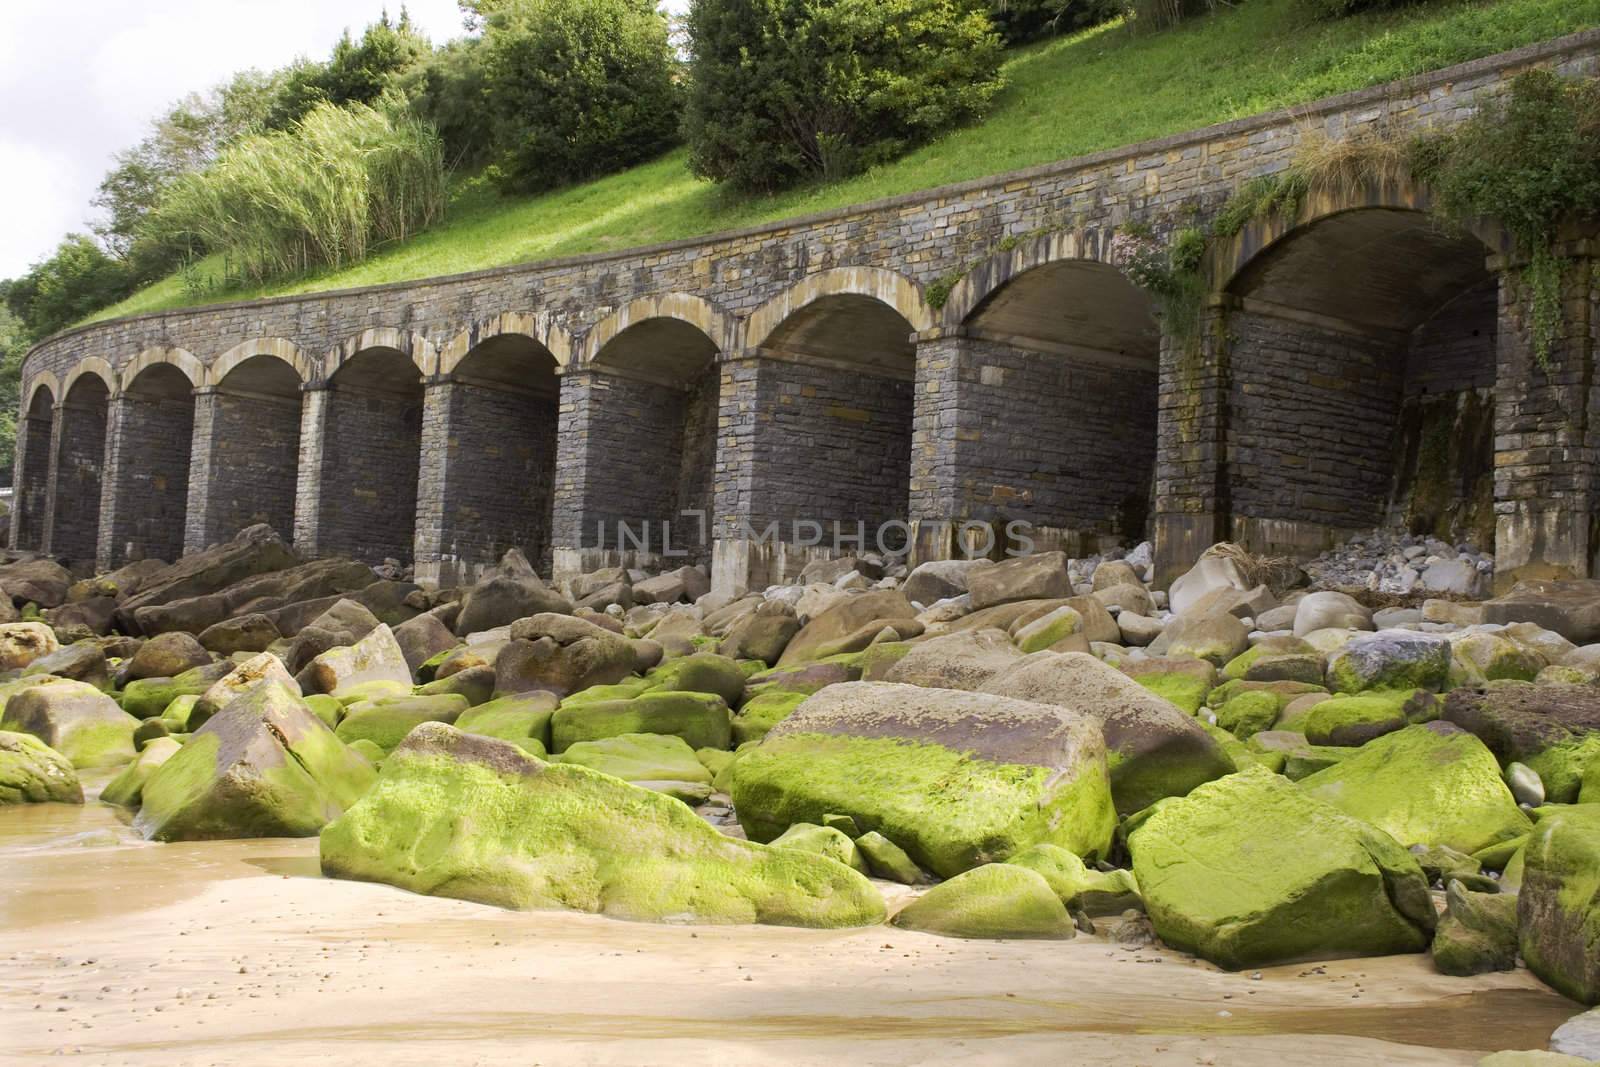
(319, 195)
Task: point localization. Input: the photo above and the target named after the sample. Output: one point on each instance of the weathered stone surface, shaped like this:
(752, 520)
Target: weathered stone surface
(278, 594)
(763, 634)
(702, 672)
(126, 790)
(386, 724)
(701, 719)
(1330, 610)
(964, 660)
(74, 718)
(375, 658)
(264, 766)
(938, 580)
(471, 817)
(853, 614)
(512, 718)
(40, 581)
(259, 670)
(82, 662)
(1185, 683)
(1554, 729)
(167, 656)
(956, 779)
(560, 654)
(1433, 784)
(1215, 637)
(23, 642)
(254, 550)
(1356, 720)
(1477, 934)
(1559, 906)
(422, 638)
(31, 772)
(1153, 750)
(997, 900)
(253, 632)
(1390, 659)
(501, 601)
(1211, 573)
(1579, 1036)
(1249, 870)
(339, 625)
(1571, 608)
(1037, 577)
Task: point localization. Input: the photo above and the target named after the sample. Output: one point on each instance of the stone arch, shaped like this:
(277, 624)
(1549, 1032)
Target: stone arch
(1055, 358)
(414, 346)
(277, 348)
(678, 319)
(1363, 342)
(90, 365)
(179, 359)
(844, 298)
(539, 328)
(32, 475)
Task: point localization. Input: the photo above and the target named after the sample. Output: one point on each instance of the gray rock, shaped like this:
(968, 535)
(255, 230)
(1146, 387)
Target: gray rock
(1579, 1036)
(1525, 784)
(1327, 610)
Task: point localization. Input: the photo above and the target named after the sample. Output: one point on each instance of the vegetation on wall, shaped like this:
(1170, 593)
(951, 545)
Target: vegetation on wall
(783, 91)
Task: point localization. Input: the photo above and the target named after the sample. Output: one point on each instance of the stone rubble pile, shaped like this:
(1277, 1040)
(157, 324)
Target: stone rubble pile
(1036, 747)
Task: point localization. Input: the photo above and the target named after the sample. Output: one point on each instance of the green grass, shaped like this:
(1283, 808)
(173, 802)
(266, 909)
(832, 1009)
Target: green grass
(1100, 89)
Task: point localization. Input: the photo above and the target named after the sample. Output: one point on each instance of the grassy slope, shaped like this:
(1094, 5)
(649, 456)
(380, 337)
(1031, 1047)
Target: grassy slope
(1097, 90)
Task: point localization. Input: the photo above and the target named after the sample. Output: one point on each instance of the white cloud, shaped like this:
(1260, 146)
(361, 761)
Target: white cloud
(80, 80)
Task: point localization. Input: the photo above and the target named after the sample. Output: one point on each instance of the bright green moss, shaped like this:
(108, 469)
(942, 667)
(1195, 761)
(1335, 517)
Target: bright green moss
(31, 772)
(702, 672)
(511, 718)
(762, 712)
(996, 900)
(625, 690)
(639, 758)
(387, 724)
(1078, 887)
(1186, 689)
(877, 659)
(950, 811)
(701, 719)
(1248, 714)
(326, 708)
(468, 817)
(1355, 720)
(1562, 767)
(127, 789)
(823, 841)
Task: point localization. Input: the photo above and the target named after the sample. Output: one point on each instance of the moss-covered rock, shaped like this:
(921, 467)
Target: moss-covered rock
(512, 718)
(465, 816)
(964, 660)
(1301, 758)
(264, 766)
(31, 772)
(640, 758)
(1558, 908)
(996, 900)
(1277, 659)
(762, 712)
(386, 725)
(75, 719)
(824, 841)
(702, 672)
(475, 684)
(956, 779)
(126, 790)
(1354, 720)
(1060, 630)
(1184, 682)
(1433, 784)
(1153, 750)
(1478, 933)
(889, 861)
(1250, 870)
(1081, 888)
(1248, 714)
(623, 690)
(1554, 729)
(1390, 659)
(150, 697)
(1284, 691)
(376, 657)
(259, 670)
(701, 719)
(1485, 656)
(372, 753)
(326, 708)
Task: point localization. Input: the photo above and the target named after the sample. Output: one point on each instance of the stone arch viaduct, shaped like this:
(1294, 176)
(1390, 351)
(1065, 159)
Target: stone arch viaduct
(969, 354)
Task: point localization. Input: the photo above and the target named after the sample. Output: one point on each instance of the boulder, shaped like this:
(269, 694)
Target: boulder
(1139, 631)
(762, 634)
(1390, 659)
(1329, 611)
(264, 766)
(253, 632)
(74, 718)
(955, 779)
(1432, 784)
(474, 818)
(823, 841)
(88, 618)
(1153, 750)
(702, 672)
(82, 662)
(1554, 729)
(1094, 893)
(167, 656)
(386, 724)
(375, 658)
(339, 625)
(150, 697)
(501, 601)
(1248, 712)
(889, 861)
(701, 719)
(1060, 630)
(1250, 871)
(1036, 577)
(283, 596)
(23, 642)
(1215, 637)
(1477, 934)
(1558, 909)
(639, 758)
(1126, 598)
(512, 718)
(1185, 683)
(1579, 1036)
(423, 638)
(997, 900)
(259, 670)
(1209, 574)
(254, 550)
(758, 715)
(31, 772)
(940, 579)
(964, 660)
(855, 613)
(560, 654)
(40, 581)
(1354, 720)
(1571, 607)
(1486, 657)
(475, 685)
(126, 790)
(1277, 659)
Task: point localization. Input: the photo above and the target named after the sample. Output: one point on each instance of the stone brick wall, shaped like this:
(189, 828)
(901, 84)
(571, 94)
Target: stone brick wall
(75, 477)
(33, 477)
(246, 451)
(371, 449)
(146, 479)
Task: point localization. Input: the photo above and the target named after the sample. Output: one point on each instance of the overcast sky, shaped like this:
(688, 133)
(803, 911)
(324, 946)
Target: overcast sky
(80, 79)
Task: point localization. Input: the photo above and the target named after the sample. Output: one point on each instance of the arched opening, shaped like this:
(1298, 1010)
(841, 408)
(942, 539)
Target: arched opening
(490, 470)
(1058, 382)
(79, 470)
(254, 444)
(372, 443)
(150, 466)
(653, 403)
(834, 425)
(32, 478)
(1363, 367)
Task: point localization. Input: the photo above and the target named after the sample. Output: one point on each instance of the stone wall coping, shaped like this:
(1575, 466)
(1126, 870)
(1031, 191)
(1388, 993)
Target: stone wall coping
(1558, 47)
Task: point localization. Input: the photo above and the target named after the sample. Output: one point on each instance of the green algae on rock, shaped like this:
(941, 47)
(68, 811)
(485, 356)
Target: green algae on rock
(640, 758)
(1081, 888)
(126, 790)
(387, 724)
(823, 841)
(75, 719)
(1390, 659)
(1558, 908)
(955, 779)
(264, 766)
(997, 900)
(1554, 729)
(1250, 870)
(1351, 721)
(1432, 784)
(701, 719)
(1185, 682)
(762, 712)
(512, 718)
(31, 772)
(471, 817)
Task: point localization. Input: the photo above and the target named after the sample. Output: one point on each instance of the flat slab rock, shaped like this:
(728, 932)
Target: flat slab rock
(1571, 608)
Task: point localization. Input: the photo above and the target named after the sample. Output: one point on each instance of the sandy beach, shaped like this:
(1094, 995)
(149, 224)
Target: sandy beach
(117, 951)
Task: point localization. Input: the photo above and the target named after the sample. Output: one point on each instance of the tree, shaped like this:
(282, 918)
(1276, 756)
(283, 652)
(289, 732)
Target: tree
(359, 72)
(1027, 20)
(76, 280)
(451, 91)
(786, 90)
(578, 88)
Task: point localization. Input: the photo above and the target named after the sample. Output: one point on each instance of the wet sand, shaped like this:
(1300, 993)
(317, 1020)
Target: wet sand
(115, 951)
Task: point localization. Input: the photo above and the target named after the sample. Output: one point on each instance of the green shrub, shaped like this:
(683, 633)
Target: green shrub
(787, 90)
(1338, 9)
(319, 195)
(1027, 20)
(578, 88)
(77, 278)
